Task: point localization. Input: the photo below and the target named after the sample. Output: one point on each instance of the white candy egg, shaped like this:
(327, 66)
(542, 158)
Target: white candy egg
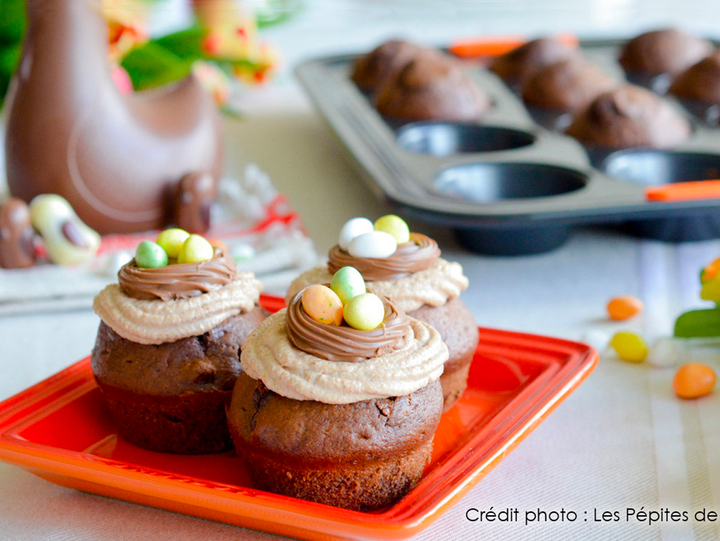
(353, 228)
(376, 244)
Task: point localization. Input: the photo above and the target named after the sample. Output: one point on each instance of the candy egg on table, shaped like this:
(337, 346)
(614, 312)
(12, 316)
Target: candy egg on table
(625, 307)
(347, 283)
(365, 312)
(67, 239)
(195, 250)
(629, 346)
(322, 304)
(353, 228)
(150, 255)
(394, 225)
(376, 244)
(693, 380)
(172, 240)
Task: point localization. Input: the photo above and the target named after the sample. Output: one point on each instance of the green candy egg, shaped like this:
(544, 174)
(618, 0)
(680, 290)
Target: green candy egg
(195, 250)
(172, 240)
(364, 312)
(347, 283)
(394, 225)
(149, 255)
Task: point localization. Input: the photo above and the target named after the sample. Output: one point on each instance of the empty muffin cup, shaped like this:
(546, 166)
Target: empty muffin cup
(447, 139)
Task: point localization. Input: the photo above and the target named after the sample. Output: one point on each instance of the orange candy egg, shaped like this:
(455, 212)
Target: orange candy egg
(693, 380)
(323, 305)
(621, 308)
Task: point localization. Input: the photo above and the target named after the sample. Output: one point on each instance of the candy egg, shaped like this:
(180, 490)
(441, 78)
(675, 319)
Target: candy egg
(365, 312)
(322, 304)
(377, 244)
(625, 307)
(353, 228)
(394, 225)
(693, 380)
(195, 249)
(629, 346)
(150, 255)
(347, 283)
(172, 240)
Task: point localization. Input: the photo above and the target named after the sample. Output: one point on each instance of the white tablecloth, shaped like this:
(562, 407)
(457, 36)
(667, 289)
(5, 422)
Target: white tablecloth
(622, 440)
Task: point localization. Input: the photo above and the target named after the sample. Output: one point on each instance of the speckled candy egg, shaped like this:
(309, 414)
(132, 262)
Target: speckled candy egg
(196, 249)
(347, 283)
(322, 304)
(149, 255)
(377, 244)
(365, 312)
(353, 228)
(394, 225)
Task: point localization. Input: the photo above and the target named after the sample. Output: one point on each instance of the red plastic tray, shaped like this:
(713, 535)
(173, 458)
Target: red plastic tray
(61, 431)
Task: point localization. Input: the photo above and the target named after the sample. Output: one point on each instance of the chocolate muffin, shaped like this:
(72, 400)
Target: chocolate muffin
(661, 52)
(167, 351)
(518, 65)
(700, 82)
(431, 86)
(373, 68)
(427, 287)
(627, 117)
(567, 86)
(337, 415)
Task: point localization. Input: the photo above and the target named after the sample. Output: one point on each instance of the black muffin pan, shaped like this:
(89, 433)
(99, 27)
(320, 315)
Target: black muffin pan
(506, 184)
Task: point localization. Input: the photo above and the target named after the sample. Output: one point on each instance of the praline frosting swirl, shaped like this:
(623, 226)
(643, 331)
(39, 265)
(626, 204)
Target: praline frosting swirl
(174, 282)
(416, 255)
(343, 343)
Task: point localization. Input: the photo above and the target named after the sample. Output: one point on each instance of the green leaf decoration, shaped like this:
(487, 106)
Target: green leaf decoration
(186, 44)
(698, 324)
(151, 65)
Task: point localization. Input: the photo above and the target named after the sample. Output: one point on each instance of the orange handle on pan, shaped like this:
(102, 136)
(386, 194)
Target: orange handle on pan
(498, 45)
(700, 189)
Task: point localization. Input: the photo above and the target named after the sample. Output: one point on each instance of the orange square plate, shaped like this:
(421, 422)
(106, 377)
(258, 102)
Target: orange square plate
(61, 431)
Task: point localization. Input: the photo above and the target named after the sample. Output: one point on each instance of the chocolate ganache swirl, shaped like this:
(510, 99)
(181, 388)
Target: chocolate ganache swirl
(419, 253)
(179, 281)
(343, 343)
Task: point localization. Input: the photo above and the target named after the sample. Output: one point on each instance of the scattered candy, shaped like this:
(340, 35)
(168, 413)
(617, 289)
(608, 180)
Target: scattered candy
(394, 225)
(195, 250)
(17, 249)
(629, 346)
(596, 338)
(243, 252)
(663, 353)
(172, 240)
(376, 244)
(622, 308)
(347, 283)
(693, 380)
(322, 304)
(115, 261)
(353, 228)
(365, 312)
(150, 255)
(67, 239)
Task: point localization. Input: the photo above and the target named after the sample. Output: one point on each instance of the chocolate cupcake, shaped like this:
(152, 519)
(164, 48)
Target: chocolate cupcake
(661, 53)
(371, 69)
(700, 82)
(167, 351)
(567, 86)
(431, 86)
(627, 117)
(423, 284)
(518, 65)
(336, 415)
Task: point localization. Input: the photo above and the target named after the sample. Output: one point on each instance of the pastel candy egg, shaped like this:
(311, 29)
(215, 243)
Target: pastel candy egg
(347, 283)
(629, 346)
(172, 240)
(150, 255)
(195, 249)
(377, 244)
(322, 304)
(394, 225)
(365, 312)
(693, 380)
(353, 228)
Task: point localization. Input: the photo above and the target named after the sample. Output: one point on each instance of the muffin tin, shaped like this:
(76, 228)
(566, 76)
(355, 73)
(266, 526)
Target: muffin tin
(510, 184)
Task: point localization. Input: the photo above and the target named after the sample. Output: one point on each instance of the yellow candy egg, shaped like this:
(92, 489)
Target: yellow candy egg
(629, 346)
(365, 312)
(172, 240)
(322, 304)
(195, 250)
(394, 225)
